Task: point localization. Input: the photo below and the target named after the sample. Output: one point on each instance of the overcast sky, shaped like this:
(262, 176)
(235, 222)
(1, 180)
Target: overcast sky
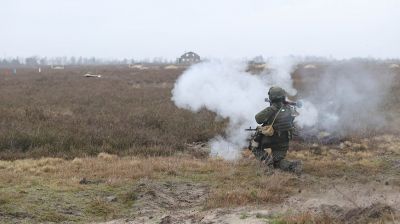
(213, 28)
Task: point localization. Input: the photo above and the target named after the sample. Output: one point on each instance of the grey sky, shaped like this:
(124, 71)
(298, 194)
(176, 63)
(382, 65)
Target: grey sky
(213, 28)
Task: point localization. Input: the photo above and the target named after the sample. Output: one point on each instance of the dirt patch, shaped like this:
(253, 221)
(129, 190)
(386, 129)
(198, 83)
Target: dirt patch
(345, 195)
(354, 195)
(166, 202)
(368, 214)
(181, 202)
(168, 196)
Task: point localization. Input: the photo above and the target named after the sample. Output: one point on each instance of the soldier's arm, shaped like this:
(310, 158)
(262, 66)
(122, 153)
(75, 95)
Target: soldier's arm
(264, 115)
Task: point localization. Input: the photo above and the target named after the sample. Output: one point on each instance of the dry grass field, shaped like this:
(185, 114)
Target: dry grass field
(61, 113)
(116, 150)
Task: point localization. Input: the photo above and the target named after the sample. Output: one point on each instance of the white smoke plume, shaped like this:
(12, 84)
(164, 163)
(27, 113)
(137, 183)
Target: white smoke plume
(348, 96)
(345, 97)
(225, 88)
(308, 115)
(279, 73)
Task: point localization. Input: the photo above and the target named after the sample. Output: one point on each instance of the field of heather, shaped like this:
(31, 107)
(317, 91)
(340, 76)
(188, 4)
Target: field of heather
(116, 149)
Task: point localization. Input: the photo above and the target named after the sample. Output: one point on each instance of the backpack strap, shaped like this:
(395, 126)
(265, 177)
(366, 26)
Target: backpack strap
(276, 115)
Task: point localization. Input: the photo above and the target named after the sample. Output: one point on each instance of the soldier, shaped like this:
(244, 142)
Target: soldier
(281, 116)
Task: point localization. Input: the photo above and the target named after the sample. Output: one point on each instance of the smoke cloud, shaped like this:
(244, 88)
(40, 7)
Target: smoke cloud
(348, 97)
(345, 97)
(225, 88)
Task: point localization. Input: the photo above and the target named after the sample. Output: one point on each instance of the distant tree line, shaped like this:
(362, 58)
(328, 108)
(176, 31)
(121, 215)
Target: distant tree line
(44, 61)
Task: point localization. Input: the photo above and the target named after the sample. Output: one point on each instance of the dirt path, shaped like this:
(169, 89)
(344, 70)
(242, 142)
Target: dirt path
(180, 202)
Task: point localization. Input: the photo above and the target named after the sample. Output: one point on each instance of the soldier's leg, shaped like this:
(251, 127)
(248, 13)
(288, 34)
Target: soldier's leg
(264, 142)
(257, 148)
(259, 153)
(279, 152)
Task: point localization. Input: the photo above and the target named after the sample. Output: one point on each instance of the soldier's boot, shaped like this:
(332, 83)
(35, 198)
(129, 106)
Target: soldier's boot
(296, 167)
(282, 164)
(290, 166)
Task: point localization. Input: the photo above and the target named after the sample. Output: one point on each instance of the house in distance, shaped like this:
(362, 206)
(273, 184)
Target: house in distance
(188, 58)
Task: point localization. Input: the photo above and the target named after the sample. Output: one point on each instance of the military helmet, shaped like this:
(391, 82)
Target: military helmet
(276, 93)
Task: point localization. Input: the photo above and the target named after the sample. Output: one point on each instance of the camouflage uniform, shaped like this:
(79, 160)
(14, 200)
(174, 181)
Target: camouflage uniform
(283, 127)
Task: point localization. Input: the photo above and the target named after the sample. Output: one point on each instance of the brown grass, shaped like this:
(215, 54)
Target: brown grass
(60, 113)
(123, 128)
(110, 168)
(306, 218)
(249, 190)
(232, 184)
(34, 185)
(126, 112)
(336, 163)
